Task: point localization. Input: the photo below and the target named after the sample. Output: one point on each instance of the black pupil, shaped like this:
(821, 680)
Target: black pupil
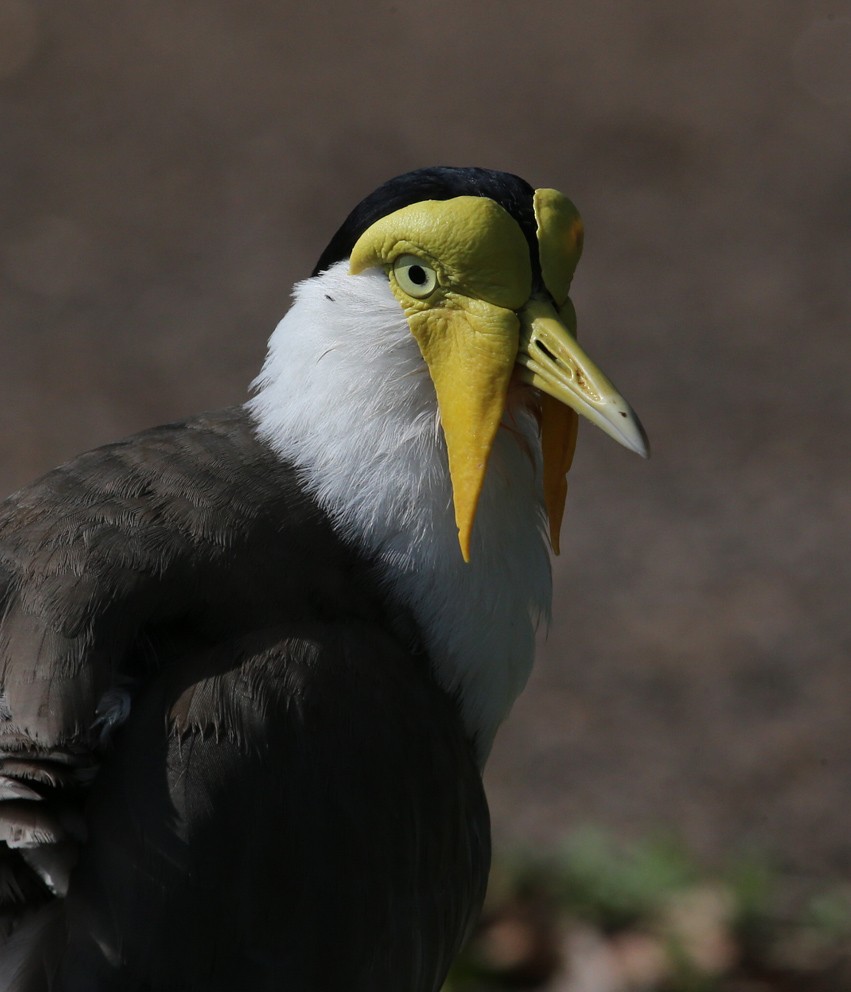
(417, 275)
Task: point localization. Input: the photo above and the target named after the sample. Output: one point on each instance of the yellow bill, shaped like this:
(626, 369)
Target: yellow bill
(553, 361)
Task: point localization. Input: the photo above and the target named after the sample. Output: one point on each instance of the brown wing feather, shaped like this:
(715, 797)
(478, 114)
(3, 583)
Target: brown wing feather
(181, 627)
(233, 848)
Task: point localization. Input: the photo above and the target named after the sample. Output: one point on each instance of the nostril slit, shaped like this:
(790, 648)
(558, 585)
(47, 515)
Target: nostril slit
(542, 347)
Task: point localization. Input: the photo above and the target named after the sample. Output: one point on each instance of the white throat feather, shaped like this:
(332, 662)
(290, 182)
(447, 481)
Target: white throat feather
(346, 396)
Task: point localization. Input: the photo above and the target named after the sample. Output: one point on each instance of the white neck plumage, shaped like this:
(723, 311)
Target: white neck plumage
(345, 395)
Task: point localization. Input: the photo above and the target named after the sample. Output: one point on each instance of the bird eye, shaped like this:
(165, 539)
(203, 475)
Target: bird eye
(414, 276)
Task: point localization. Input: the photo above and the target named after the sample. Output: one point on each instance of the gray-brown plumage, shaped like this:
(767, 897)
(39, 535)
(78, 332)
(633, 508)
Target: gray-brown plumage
(186, 572)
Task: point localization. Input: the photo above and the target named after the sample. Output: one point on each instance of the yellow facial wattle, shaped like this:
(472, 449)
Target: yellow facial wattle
(462, 273)
(467, 328)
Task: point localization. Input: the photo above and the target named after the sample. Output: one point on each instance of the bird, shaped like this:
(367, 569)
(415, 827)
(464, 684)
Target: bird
(252, 663)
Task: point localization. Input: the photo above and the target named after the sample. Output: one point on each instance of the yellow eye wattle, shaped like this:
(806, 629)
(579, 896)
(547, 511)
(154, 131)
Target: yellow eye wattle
(414, 276)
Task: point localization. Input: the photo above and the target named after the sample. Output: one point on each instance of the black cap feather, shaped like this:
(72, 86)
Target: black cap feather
(436, 183)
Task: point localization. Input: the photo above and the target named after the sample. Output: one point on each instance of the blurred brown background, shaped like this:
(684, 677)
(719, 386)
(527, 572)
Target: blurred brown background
(169, 168)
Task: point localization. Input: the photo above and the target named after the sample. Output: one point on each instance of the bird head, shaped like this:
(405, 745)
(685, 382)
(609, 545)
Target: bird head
(481, 265)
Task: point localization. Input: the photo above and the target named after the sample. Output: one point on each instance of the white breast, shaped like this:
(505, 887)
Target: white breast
(345, 394)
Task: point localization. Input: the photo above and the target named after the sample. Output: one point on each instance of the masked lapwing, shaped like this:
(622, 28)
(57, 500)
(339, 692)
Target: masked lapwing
(252, 663)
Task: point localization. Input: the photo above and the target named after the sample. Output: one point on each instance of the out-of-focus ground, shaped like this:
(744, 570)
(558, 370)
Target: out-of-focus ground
(168, 170)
